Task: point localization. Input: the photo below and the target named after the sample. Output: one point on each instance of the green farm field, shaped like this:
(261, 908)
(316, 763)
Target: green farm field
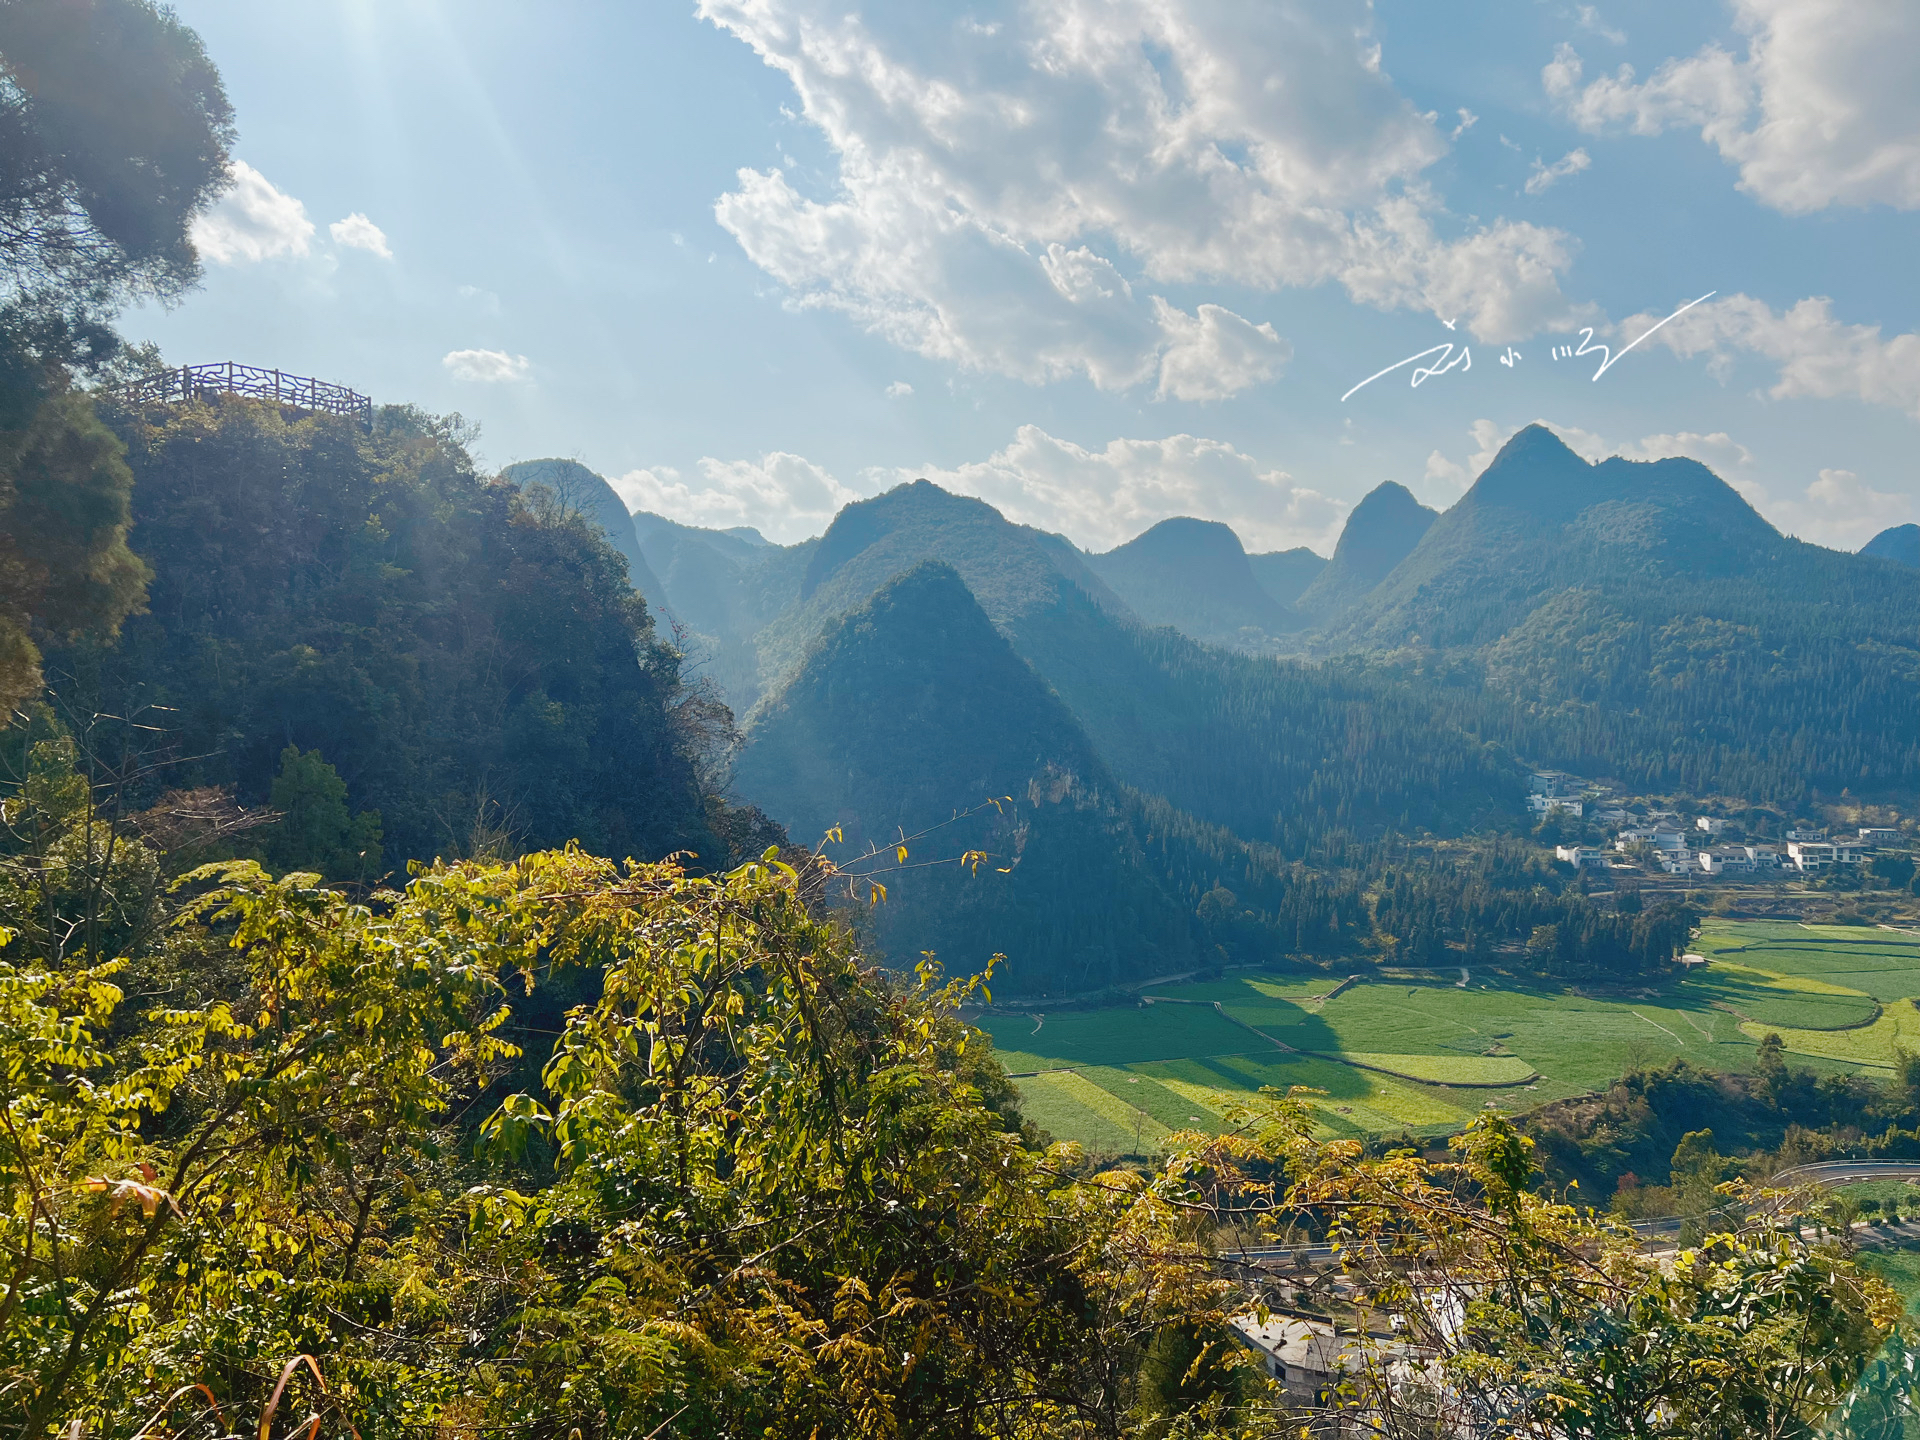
(1418, 1052)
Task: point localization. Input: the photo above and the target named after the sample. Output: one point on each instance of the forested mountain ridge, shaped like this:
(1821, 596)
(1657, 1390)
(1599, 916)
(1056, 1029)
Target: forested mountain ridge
(1649, 624)
(460, 652)
(1012, 570)
(1277, 752)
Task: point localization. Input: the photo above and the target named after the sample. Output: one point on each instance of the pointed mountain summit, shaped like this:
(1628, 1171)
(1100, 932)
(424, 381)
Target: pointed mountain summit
(1541, 519)
(1381, 532)
(914, 708)
(1015, 573)
(919, 682)
(578, 488)
(1009, 568)
(1195, 576)
(1539, 482)
(1639, 602)
(1899, 543)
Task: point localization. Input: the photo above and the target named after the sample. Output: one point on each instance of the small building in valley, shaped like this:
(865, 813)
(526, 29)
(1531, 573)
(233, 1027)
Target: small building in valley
(1544, 804)
(1810, 855)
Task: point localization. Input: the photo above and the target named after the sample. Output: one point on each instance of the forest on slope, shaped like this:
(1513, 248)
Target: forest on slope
(469, 659)
(1640, 620)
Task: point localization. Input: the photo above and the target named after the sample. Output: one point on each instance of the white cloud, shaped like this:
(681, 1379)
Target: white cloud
(899, 390)
(1590, 19)
(1453, 478)
(1214, 354)
(785, 497)
(1102, 498)
(1821, 110)
(252, 221)
(1467, 121)
(1841, 510)
(1503, 280)
(1010, 197)
(1571, 163)
(1818, 356)
(357, 232)
(487, 367)
(485, 299)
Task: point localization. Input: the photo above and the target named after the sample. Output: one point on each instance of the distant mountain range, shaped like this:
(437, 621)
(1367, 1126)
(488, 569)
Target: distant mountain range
(1638, 621)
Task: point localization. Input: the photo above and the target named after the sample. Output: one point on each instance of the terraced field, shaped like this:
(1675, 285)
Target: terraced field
(1422, 1052)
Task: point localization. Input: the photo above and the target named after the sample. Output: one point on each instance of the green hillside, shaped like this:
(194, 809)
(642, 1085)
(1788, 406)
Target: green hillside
(456, 650)
(1640, 620)
(1898, 543)
(1278, 752)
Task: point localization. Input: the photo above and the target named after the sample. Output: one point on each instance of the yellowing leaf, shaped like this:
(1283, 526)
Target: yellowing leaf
(900, 853)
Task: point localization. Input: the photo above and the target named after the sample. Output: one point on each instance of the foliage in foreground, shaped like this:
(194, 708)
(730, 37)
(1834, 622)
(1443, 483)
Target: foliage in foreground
(758, 1189)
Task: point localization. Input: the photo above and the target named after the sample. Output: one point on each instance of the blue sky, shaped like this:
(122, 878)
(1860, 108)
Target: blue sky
(1099, 263)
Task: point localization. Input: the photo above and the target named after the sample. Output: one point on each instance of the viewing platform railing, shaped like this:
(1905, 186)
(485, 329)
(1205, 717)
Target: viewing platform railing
(224, 377)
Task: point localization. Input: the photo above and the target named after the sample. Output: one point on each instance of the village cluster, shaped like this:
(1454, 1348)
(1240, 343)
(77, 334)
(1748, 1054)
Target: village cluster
(1701, 845)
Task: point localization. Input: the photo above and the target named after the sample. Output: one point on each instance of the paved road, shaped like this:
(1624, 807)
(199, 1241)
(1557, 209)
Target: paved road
(1847, 1172)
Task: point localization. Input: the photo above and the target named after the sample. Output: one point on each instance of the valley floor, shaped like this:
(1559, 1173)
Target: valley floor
(1420, 1052)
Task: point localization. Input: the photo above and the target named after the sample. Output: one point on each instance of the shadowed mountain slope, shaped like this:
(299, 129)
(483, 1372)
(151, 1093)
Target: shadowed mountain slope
(1381, 532)
(913, 708)
(1899, 543)
(725, 587)
(1194, 576)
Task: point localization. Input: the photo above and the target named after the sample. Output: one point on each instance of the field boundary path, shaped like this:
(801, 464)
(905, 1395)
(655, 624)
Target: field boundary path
(1221, 1011)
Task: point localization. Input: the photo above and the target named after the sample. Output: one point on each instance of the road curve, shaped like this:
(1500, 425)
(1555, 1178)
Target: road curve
(1846, 1172)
